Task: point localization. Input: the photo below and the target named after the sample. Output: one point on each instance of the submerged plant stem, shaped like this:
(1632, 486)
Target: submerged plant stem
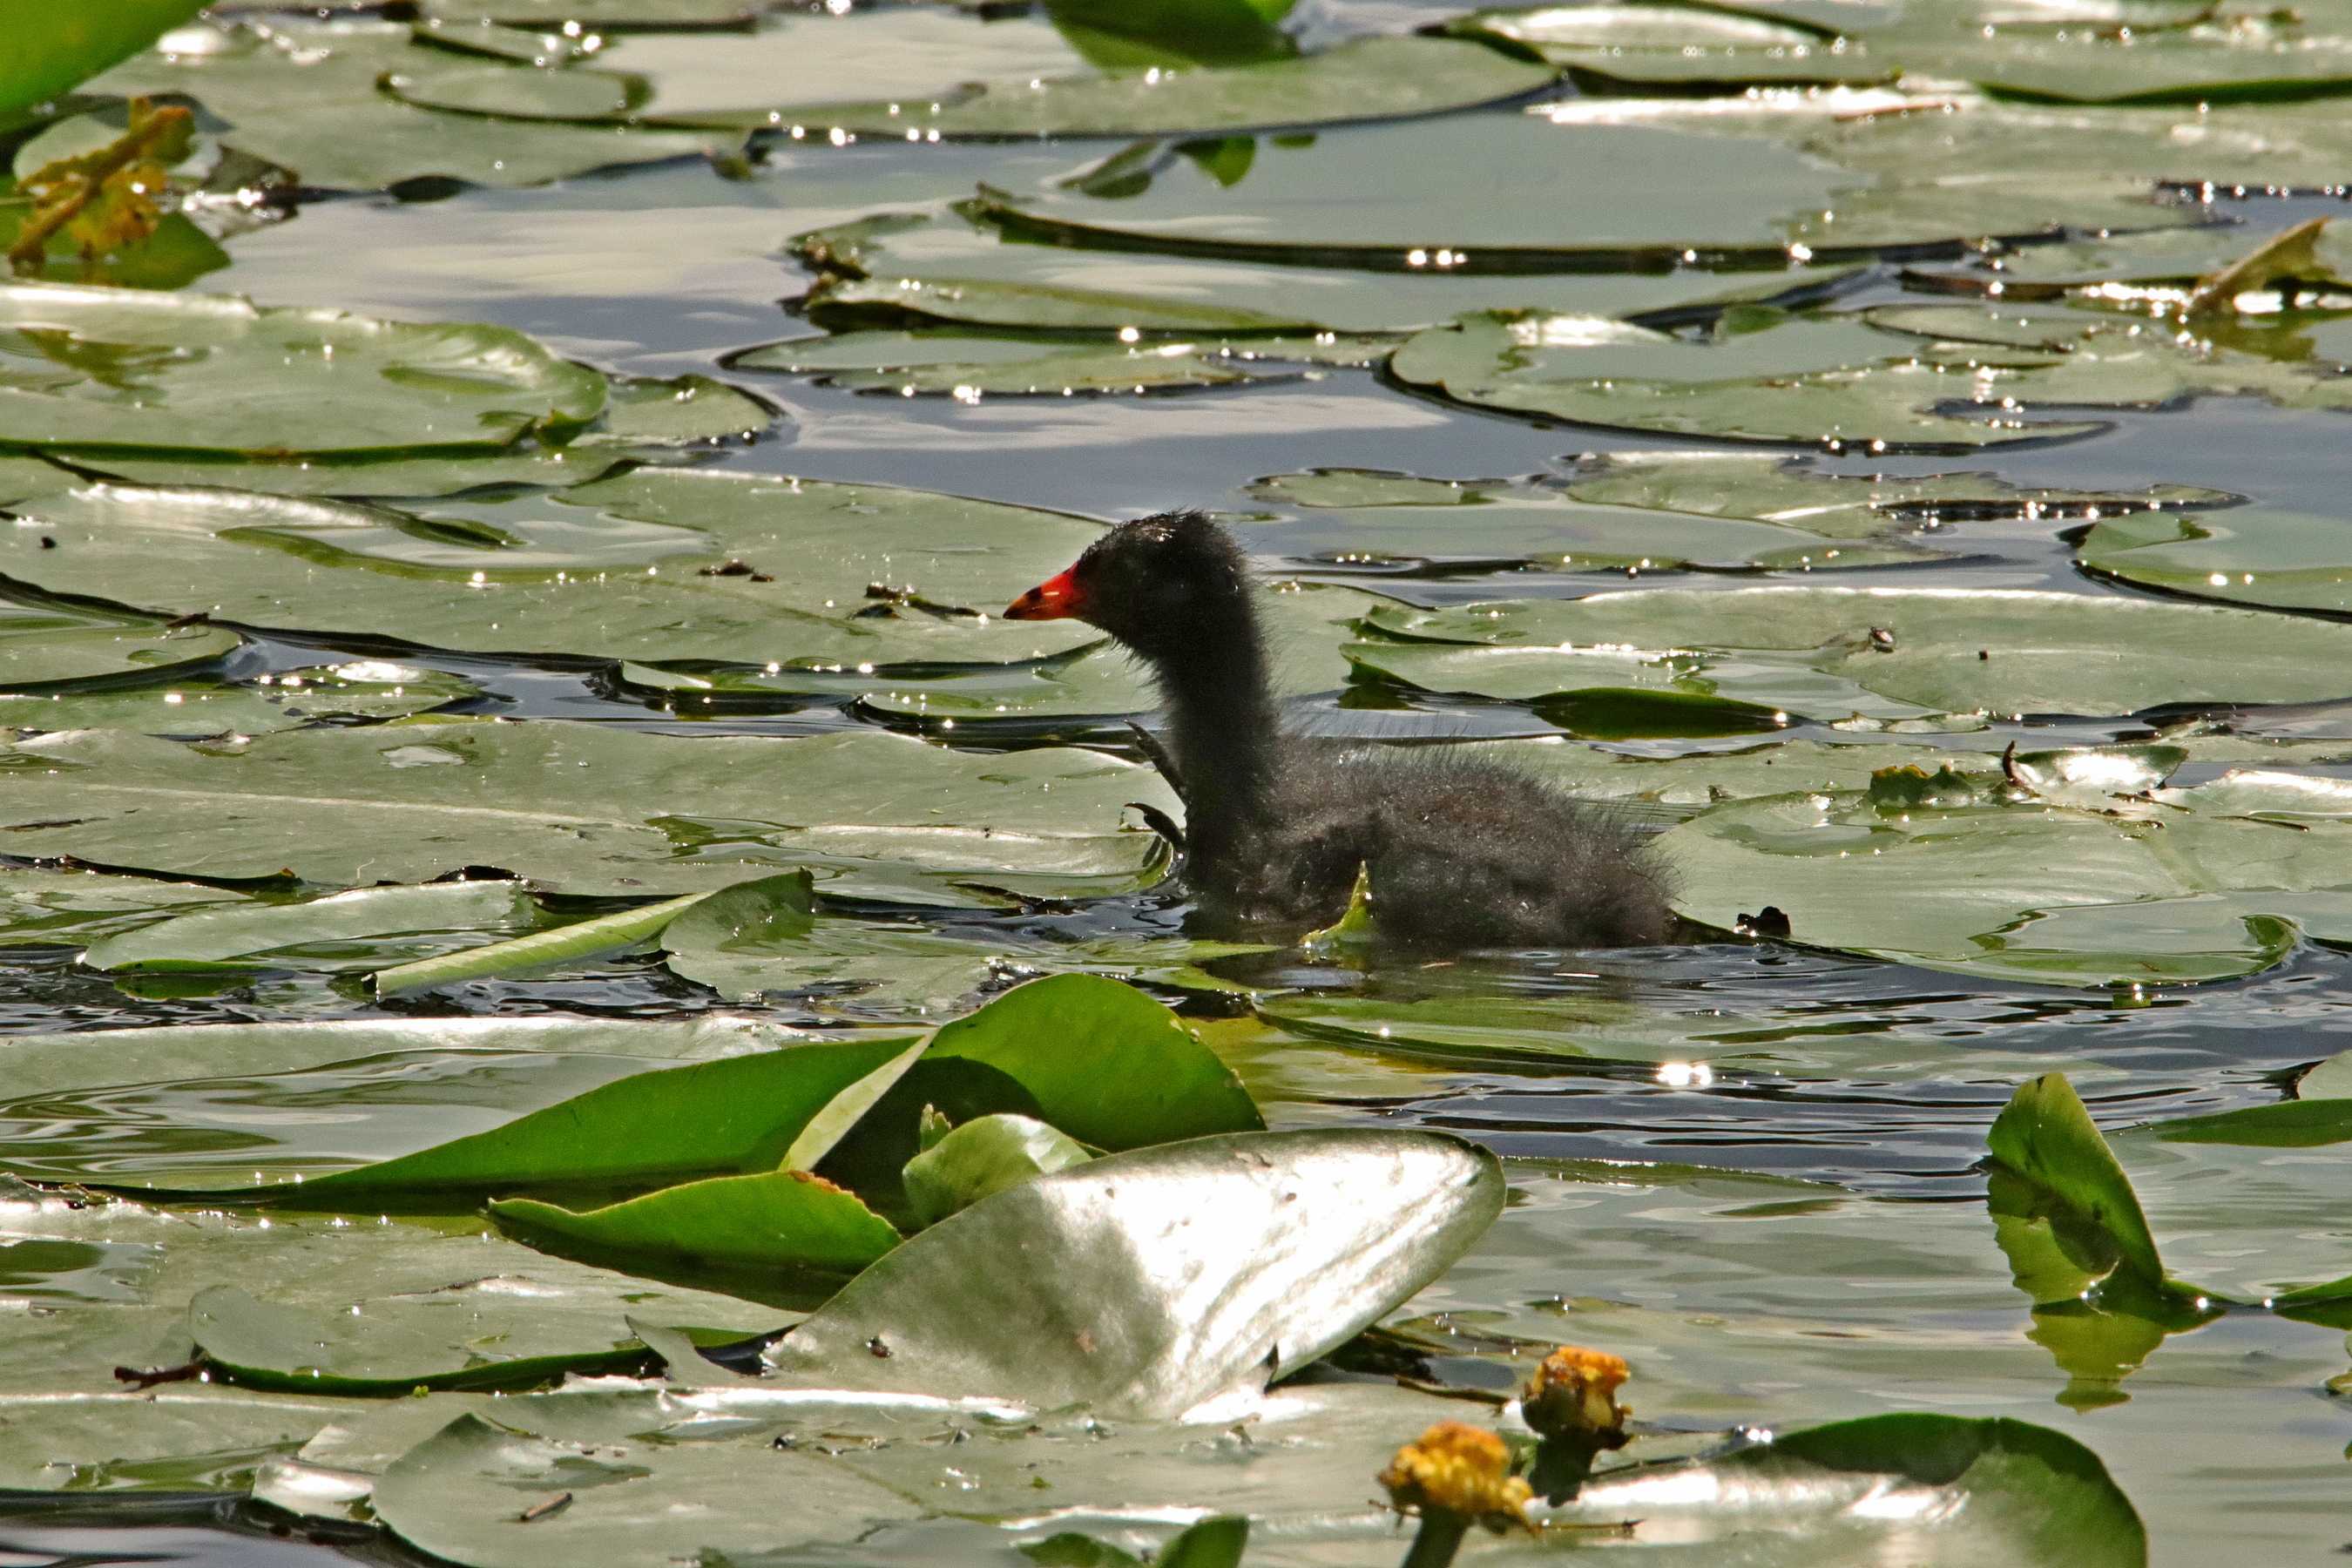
(1437, 1539)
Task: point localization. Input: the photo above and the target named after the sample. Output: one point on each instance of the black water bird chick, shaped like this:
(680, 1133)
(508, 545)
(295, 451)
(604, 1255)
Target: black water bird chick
(1464, 852)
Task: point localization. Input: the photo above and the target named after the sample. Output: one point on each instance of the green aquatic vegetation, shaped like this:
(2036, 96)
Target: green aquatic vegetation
(53, 50)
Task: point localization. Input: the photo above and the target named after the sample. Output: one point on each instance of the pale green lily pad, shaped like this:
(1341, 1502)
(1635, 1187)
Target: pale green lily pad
(660, 563)
(1964, 377)
(1831, 381)
(610, 812)
(946, 267)
(647, 420)
(48, 647)
(2259, 57)
(22, 476)
(1681, 47)
(1812, 650)
(1435, 523)
(101, 368)
(1305, 625)
(199, 709)
(969, 366)
(302, 94)
(68, 908)
(2159, 267)
(1364, 79)
(2025, 890)
(1847, 506)
(2249, 555)
(625, 14)
(353, 927)
(787, 70)
(1651, 193)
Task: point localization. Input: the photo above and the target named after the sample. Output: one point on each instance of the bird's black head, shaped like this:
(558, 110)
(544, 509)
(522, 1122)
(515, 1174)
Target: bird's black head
(1169, 586)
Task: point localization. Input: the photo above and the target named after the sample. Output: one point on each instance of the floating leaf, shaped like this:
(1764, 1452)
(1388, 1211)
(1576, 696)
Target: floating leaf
(105, 368)
(53, 50)
(614, 813)
(302, 94)
(1364, 79)
(1681, 47)
(774, 1219)
(200, 708)
(983, 1156)
(246, 936)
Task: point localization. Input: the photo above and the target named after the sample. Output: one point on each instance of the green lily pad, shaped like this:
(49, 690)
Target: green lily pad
(1829, 380)
(961, 268)
(54, 52)
(198, 708)
(612, 813)
(1848, 506)
(1436, 522)
(70, 908)
(174, 256)
(2262, 58)
(302, 94)
(2156, 268)
(462, 1497)
(1651, 193)
(1172, 1276)
(2045, 1136)
(2250, 556)
(100, 368)
(52, 649)
(249, 935)
(1813, 649)
(660, 563)
(1681, 47)
(1363, 79)
(774, 1219)
(2032, 890)
(985, 1155)
(969, 366)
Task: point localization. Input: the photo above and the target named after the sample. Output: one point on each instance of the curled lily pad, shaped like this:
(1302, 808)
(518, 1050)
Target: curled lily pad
(612, 813)
(1172, 1276)
(102, 368)
(1365, 79)
(656, 563)
(773, 1219)
(302, 94)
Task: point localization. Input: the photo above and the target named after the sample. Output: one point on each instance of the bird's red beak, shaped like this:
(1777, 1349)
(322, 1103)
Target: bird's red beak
(1055, 599)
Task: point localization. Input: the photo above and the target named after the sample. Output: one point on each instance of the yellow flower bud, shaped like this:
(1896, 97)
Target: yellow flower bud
(1458, 1469)
(1573, 1394)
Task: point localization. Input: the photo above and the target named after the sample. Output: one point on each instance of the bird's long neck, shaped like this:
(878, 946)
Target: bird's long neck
(1223, 730)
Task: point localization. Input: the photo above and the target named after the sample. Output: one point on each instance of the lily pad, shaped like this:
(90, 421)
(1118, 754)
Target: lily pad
(961, 268)
(2026, 889)
(969, 366)
(302, 94)
(70, 908)
(655, 565)
(1830, 380)
(1790, 490)
(773, 1219)
(2250, 556)
(983, 1156)
(247, 936)
(1173, 1275)
(104, 368)
(55, 650)
(201, 708)
(612, 812)
(463, 1497)
(1436, 524)
(1813, 650)
(1679, 46)
(1364, 79)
